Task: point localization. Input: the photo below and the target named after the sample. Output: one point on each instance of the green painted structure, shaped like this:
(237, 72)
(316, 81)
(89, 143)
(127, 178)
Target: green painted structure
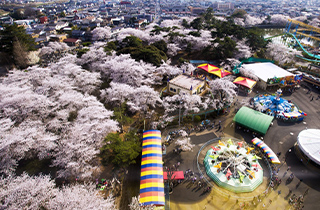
(249, 60)
(253, 120)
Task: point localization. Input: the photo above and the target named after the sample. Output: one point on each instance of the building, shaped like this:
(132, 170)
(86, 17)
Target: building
(57, 38)
(222, 6)
(6, 20)
(185, 84)
(71, 42)
(269, 74)
(197, 10)
(43, 19)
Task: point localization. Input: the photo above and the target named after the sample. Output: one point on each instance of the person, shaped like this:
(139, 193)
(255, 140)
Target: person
(311, 98)
(279, 192)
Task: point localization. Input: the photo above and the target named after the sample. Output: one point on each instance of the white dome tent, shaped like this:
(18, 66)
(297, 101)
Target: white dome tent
(309, 143)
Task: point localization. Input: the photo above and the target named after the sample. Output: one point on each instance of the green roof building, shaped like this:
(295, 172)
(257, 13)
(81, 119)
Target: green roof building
(253, 120)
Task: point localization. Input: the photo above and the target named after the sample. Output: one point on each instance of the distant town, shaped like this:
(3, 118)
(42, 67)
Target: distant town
(50, 20)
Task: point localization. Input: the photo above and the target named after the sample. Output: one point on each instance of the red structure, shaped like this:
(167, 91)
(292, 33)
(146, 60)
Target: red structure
(43, 19)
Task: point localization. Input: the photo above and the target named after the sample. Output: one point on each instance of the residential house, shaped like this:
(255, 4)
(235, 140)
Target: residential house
(77, 34)
(57, 37)
(72, 42)
(43, 19)
(6, 20)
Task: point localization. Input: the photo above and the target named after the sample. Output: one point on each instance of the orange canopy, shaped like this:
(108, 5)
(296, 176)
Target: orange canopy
(249, 83)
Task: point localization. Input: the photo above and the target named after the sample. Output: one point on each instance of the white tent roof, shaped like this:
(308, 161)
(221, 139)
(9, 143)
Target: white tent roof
(309, 143)
(267, 70)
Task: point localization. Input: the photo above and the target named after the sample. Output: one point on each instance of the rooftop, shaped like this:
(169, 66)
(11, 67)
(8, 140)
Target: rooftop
(185, 81)
(267, 70)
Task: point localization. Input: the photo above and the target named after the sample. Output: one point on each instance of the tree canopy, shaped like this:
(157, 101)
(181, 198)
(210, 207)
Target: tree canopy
(16, 43)
(120, 151)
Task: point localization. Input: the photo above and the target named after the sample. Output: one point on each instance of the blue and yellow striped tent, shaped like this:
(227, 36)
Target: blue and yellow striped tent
(151, 181)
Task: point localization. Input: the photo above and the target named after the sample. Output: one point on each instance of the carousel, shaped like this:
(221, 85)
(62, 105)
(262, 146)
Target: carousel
(232, 165)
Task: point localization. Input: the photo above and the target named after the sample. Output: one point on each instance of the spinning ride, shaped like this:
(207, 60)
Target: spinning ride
(232, 166)
(276, 106)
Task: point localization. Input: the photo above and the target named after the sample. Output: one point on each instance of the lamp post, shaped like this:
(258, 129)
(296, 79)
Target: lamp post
(180, 102)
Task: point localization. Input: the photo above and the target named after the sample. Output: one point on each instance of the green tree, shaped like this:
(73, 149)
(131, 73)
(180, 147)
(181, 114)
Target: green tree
(185, 23)
(120, 114)
(132, 41)
(111, 46)
(197, 23)
(18, 14)
(16, 43)
(120, 152)
(208, 15)
(148, 53)
(161, 45)
(62, 14)
(255, 39)
(239, 13)
(195, 33)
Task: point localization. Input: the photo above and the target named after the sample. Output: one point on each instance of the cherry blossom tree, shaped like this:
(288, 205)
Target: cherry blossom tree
(173, 49)
(135, 204)
(33, 57)
(138, 98)
(80, 197)
(223, 90)
(39, 192)
(184, 141)
(124, 69)
(25, 192)
(53, 47)
(187, 103)
(248, 73)
(315, 22)
(54, 117)
(279, 19)
(281, 53)
(101, 33)
(243, 50)
(248, 20)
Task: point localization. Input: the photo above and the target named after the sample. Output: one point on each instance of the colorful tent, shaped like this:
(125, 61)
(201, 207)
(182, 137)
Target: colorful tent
(151, 181)
(221, 73)
(208, 67)
(176, 175)
(273, 158)
(249, 83)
